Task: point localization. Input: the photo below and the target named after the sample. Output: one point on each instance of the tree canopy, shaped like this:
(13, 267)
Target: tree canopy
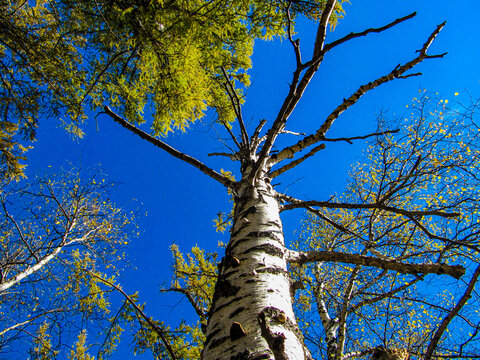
(162, 58)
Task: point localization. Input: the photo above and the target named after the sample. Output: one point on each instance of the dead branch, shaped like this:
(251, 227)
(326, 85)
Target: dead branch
(362, 137)
(368, 31)
(235, 100)
(396, 73)
(232, 157)
(297, 87)
(295, 43)
(294, 163)
(200, 312)
(295, 204)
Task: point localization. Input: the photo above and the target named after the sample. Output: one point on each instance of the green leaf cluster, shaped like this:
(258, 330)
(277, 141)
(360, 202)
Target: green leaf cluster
(149, 59)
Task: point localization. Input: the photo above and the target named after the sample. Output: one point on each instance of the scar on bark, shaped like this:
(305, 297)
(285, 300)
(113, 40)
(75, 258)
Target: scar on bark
(275, 341)
(236, 331)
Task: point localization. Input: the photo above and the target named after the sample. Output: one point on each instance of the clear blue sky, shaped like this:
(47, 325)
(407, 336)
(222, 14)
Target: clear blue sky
(181, 202)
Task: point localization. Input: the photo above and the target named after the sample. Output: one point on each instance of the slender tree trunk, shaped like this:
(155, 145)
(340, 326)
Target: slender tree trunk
(251, 316)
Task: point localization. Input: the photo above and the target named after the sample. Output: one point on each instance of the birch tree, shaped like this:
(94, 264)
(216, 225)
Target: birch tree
(60, 237)
(251, 314)
(169, 62)
(353, 307)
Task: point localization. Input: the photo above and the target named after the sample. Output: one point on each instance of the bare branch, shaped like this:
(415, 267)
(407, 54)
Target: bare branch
(174, 152)
(362, 137)
(200, 312)
(322, 29)
(291, 132)
(139, 311)
(295, 43)
(443, 326)
(295, 204)
(368, 31)
(232, 94)
(303, 257)
(297, 88)
(257, 130)
(294, 163)
(232, 135)
(232, 157)
(399, 70)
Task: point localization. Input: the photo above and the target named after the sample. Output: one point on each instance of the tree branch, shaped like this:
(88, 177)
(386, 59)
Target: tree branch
(368, 31)
(322, 29)
(17, 325)
(42, 262)
(362, 137)
(232, 157)
(200, 312)
(399, 70)
(139, 311)
(443, 326)
(232, 94)
(295, 204)
(380, 297)
(295, 43)
(179, 155)
(294, 163)
(297, 88)
(303, 257)
(441, 238)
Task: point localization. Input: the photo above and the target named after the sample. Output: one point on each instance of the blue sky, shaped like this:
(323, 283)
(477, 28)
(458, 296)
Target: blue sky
(180, 202)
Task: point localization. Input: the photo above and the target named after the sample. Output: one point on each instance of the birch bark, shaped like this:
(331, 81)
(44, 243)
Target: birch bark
(251, 316)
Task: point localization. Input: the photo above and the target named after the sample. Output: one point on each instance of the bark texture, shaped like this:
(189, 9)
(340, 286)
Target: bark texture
(252, 315)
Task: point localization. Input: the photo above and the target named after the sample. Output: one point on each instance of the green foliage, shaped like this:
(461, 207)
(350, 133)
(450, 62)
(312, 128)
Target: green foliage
(194, 276)
(42, 349)
(157, 58)
(80, 352)
(195, 273)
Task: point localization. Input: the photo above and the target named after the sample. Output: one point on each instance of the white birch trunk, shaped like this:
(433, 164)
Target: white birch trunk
(251, 317)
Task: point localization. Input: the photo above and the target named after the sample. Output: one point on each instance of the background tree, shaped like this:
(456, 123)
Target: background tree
(422, 167)
(59, 238)
(63, 58)
(357, 306)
